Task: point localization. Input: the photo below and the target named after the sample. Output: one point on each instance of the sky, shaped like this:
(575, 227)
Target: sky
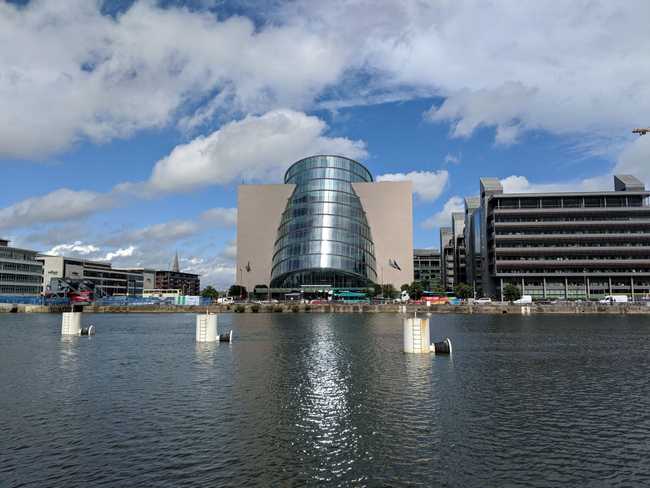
(126, 126)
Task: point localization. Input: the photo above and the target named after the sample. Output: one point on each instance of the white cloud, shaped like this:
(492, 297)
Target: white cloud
(453, 158)
(256, 148)
(119, 253)
(79, 74)
(635, 160)
(77, 248)
(226, 217)
(163, 232)
(427, 185)
(520, 184)
(443, 217)
(60, 205)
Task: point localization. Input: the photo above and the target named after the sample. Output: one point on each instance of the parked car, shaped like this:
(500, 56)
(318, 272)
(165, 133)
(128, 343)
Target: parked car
(525, 299)
(615, 299)
(225, 300)
(482, 301)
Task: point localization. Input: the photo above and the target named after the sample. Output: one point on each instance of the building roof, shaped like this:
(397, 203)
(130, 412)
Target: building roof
(472, 202)
(426, 252)
(491, 184)
(628, 183)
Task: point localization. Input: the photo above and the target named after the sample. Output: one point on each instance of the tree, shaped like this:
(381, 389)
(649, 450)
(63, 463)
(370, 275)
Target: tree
(389, 291)
(464, 291)
(237, 291)
(405, 287)
(415, 290)
(209, 292)
(511, 293)
(376, 290)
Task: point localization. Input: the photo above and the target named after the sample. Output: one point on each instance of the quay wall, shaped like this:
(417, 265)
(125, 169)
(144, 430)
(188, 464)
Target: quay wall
(565, 308)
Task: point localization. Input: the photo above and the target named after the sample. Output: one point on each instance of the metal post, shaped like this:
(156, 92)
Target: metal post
(632, 286)
(566, 288)
(544, 285)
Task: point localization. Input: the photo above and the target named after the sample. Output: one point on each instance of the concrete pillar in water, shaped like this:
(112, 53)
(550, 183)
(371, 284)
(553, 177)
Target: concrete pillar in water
(416, 335)
(206, 328)
(71, 323)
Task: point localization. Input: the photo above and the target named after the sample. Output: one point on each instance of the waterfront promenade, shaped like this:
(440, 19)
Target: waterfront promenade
(490, 309)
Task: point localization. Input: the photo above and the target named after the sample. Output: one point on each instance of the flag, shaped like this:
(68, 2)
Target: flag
(393, 264)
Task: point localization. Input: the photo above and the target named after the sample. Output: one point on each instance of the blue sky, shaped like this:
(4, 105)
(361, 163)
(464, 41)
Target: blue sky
(126, 126)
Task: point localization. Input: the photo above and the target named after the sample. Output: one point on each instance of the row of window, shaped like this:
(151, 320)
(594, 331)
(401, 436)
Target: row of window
(21, 278)
(328, 208)
(327, 162)
(326, 173)
(570, 202)
(10, 253)
(324, 261)
(29, 268)
(324, 248)
(333, 221)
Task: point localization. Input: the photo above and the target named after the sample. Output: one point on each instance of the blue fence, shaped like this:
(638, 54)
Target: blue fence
(107, 301)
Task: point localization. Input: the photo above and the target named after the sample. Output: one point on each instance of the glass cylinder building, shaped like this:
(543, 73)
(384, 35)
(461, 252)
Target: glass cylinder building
(324, 237)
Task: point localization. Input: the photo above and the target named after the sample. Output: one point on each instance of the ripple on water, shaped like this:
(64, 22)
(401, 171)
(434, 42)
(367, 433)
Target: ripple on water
(311, 399)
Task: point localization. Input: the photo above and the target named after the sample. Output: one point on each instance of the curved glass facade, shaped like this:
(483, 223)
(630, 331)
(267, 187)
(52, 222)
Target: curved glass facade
(324, 237)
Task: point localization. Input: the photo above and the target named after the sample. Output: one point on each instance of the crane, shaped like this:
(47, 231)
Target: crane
(641, 132)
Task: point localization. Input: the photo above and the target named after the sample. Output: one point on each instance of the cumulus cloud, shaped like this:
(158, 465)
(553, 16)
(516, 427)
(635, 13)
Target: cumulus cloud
(94, 76)
(443, 217)
(520, 184)
(635, 160)
(256, 148)
(427, 185)
(60, 205)
(226, 217)
(119, 253)
(77, 248)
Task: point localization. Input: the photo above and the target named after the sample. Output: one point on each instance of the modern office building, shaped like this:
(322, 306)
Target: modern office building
(188, 283)
(569, 245)
(20, 272)
(447, 263)
(426, 268)
(458, 242)
(473, 244)
(328, 226)
(174, 279)
(107, 280)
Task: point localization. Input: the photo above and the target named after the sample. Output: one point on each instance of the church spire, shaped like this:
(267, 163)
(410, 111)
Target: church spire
(175, 267)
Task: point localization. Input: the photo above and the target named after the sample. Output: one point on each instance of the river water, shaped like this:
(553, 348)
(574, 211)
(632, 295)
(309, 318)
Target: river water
(327, 400)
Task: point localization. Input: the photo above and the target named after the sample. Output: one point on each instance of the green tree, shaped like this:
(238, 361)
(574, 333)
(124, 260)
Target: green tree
(464, 291)
(237, 291)
(405, 287)
(415, 290)
(511, 293)
(389, 291)
(209, 292)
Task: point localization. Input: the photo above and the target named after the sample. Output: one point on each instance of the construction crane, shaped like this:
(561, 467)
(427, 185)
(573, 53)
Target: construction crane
(641, 132)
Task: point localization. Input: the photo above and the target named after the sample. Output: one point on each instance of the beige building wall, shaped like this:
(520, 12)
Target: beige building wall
(389, 210)
(259, 211)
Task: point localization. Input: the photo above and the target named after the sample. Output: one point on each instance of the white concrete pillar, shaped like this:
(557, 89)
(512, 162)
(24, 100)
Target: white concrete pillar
(416, 335)
(206, 328)
(71, 323)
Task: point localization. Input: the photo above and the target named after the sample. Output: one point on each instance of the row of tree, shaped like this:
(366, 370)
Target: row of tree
(415, 290)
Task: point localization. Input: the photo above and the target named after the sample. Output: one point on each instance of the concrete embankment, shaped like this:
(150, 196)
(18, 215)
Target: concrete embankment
(563, 308)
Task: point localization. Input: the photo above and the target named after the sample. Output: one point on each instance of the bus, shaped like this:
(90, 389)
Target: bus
(439, 298)
(345, 296)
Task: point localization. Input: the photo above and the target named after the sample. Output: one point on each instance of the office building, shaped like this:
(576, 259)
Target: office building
(473, 244)
(328, 226)
(447, 263)
(107, 280)
(458, 243)
(20, 272)
(569, 245)
(426, 268)
(187, 283)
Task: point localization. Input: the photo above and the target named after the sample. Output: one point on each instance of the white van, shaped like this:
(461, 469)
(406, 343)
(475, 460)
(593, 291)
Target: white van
(225, 300)
(615, 299)
(525, 299)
